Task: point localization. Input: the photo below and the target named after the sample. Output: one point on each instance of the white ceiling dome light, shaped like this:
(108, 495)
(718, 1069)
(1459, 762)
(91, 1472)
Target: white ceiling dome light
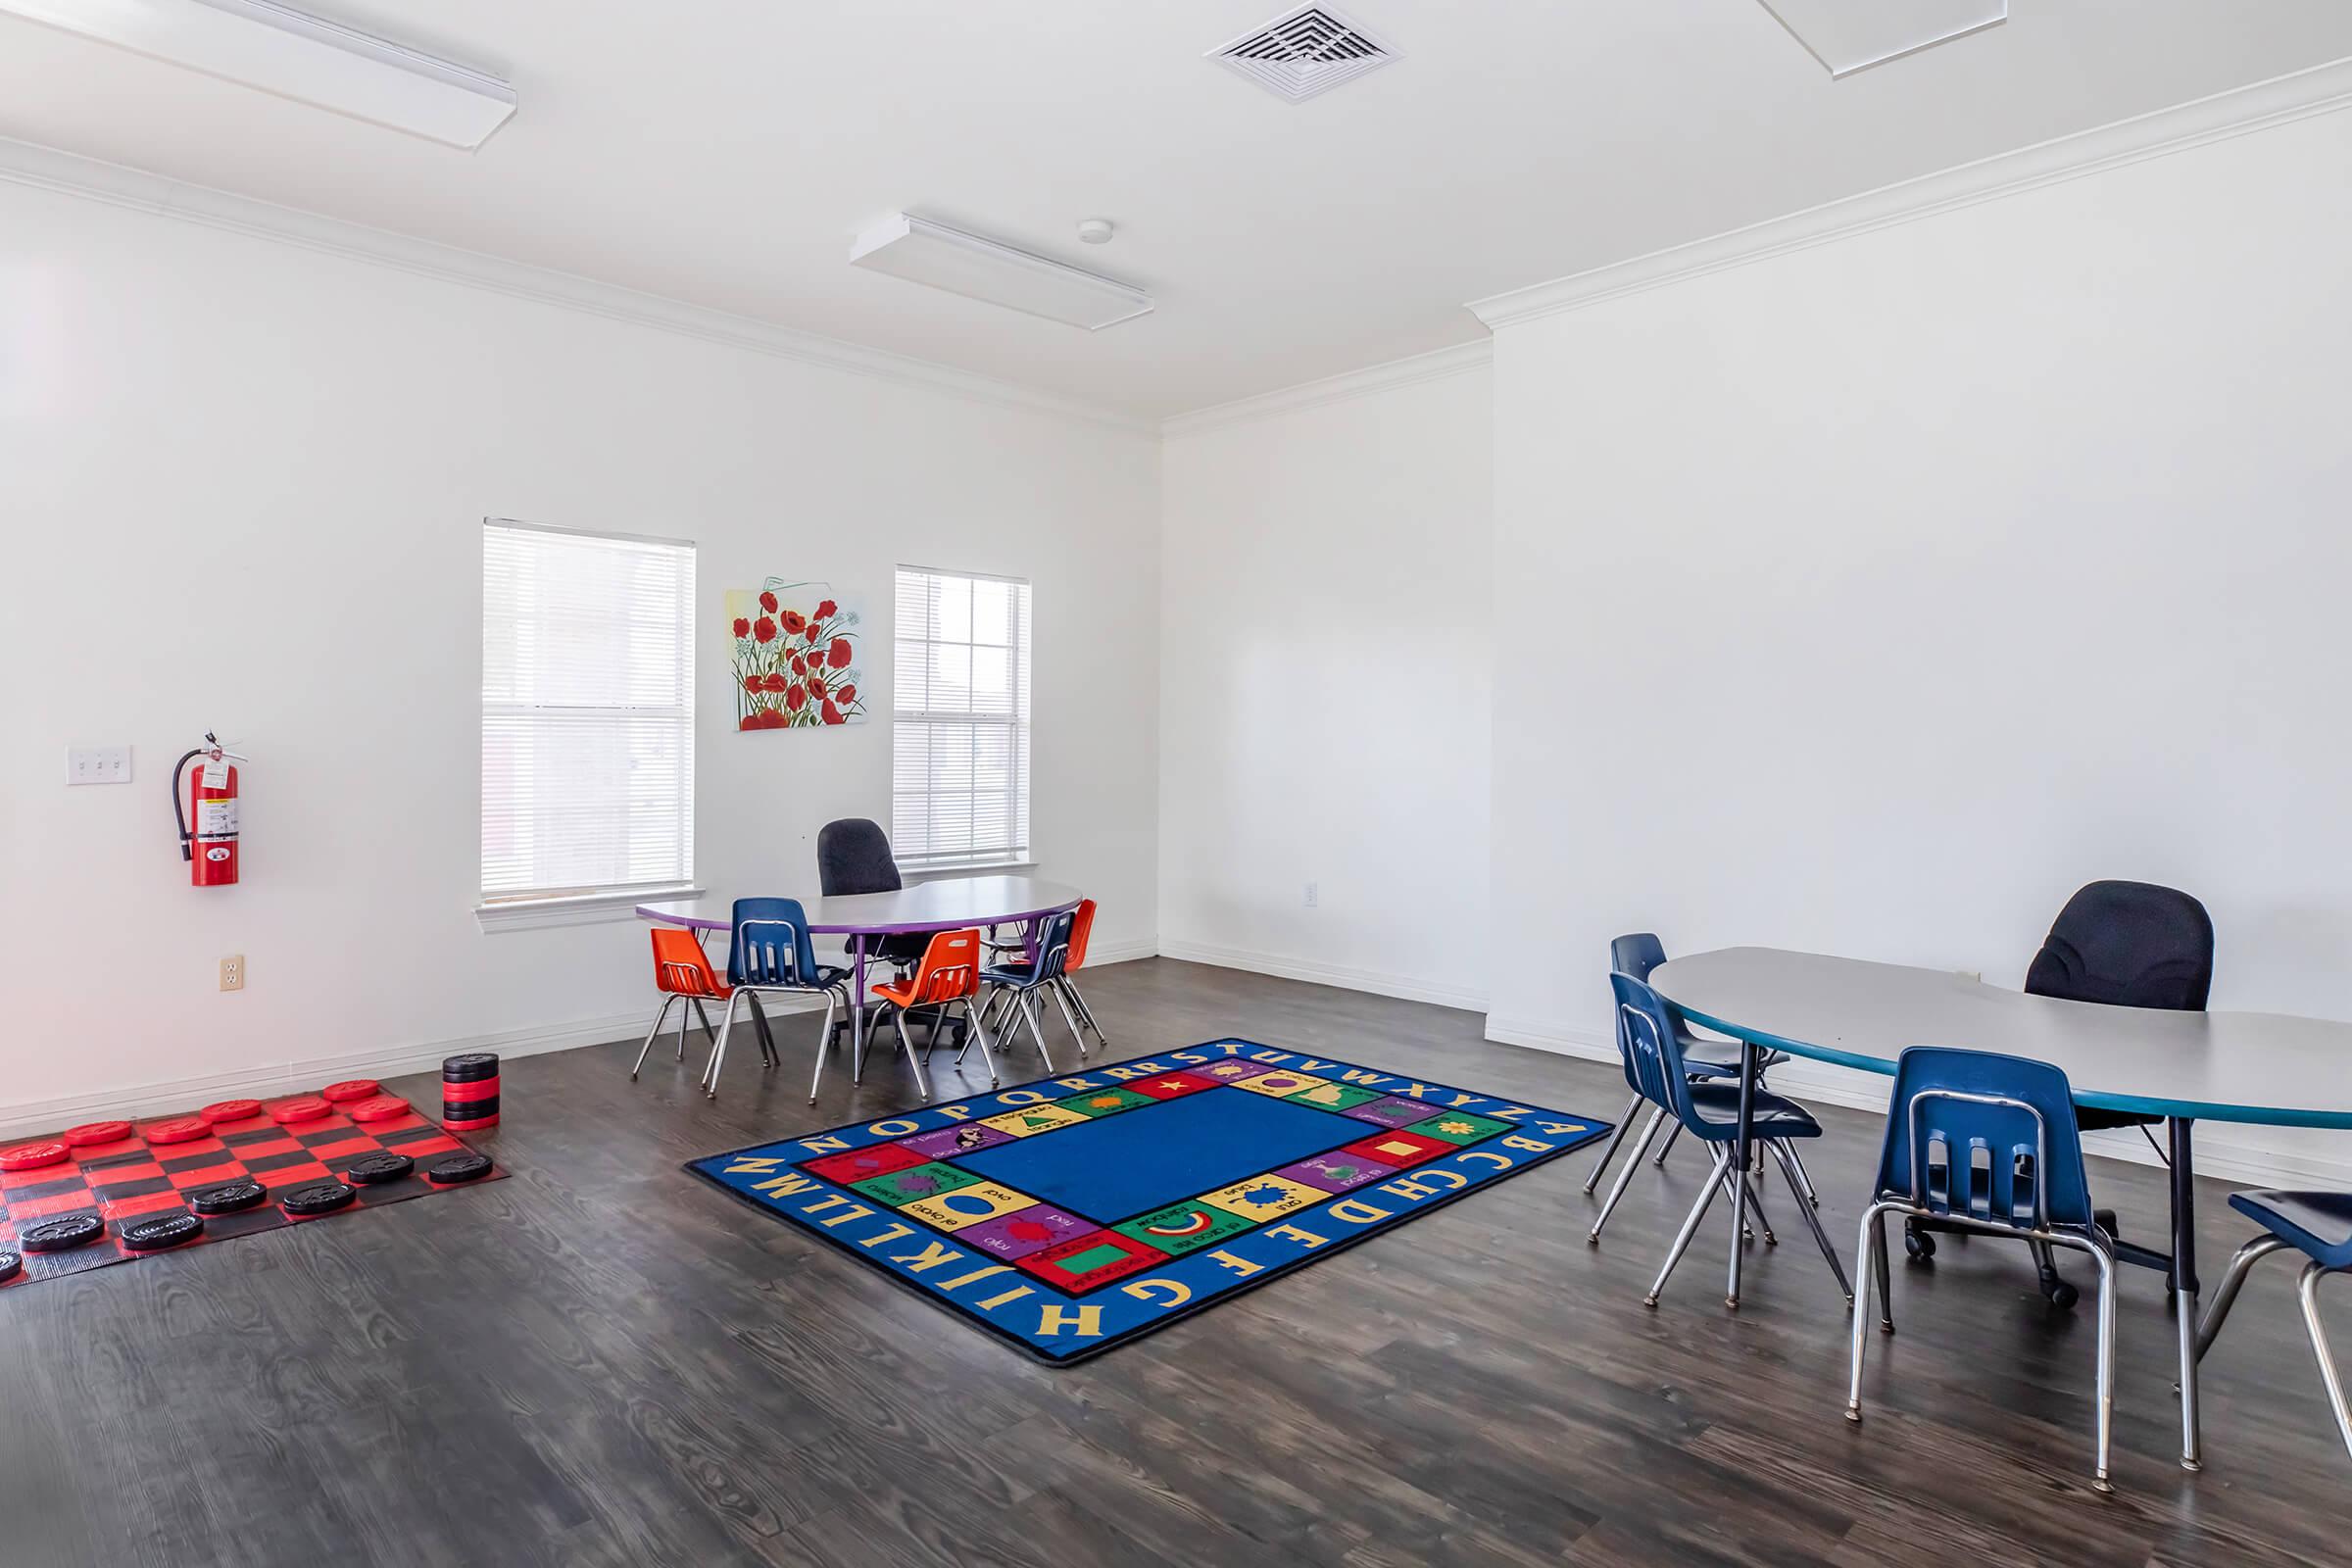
(1096, 231)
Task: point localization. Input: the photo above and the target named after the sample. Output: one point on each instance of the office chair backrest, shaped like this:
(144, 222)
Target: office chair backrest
(1653, 1055)
(680, 965)
(853, 855)
(2129, 945)
(771, 946)
(1636, 954)
(950, 970)
(1986, 1137)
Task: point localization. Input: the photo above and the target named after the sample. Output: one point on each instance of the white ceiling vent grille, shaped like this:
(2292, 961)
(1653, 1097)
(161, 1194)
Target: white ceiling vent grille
(1304, 52)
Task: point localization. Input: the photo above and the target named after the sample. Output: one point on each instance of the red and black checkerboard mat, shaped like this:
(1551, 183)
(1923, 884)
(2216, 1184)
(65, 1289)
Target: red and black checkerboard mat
(130, 1179)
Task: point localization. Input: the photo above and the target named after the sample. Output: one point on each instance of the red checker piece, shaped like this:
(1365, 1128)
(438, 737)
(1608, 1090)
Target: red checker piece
(178, 1130)
(382, 1107)
(349, 1089)
(90, 1133)
(227, 1110)
(308, 1108)
(1399, 1148)
(31, 1156)
(466, 1094)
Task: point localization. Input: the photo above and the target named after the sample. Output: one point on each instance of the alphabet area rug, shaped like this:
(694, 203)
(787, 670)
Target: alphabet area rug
(1074, 1214)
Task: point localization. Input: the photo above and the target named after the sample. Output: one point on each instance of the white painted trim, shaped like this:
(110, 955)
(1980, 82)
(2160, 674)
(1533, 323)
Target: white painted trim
(1460, 360)
(1347, 978)
(2283, 100)
(308, 1073)
(2223, 1152)
(68, 174)
(582, 908)
(1100, 954)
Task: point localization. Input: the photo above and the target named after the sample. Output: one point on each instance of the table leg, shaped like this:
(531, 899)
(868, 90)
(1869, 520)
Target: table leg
(2184, 1286)
(1740, 1158)
(857, 1010)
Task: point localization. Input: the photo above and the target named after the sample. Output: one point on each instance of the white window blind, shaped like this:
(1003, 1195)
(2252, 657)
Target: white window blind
(587, 712)
(961, 746)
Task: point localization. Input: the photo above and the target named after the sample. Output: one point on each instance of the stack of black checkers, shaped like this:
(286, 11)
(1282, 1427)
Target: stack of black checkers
(470, 1091)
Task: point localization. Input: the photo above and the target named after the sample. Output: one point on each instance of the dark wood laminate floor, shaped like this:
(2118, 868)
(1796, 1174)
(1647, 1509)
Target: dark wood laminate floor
(604, 1361)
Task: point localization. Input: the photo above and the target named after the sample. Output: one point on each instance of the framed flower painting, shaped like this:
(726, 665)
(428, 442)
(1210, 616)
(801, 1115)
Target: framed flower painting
(792, 650)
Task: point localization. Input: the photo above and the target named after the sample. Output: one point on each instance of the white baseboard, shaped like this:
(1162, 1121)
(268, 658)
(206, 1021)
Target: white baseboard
(1347, 978)
(2225, 1151)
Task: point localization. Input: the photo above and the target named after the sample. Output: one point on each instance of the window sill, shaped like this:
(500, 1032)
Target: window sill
(927, 874)
(585, 909)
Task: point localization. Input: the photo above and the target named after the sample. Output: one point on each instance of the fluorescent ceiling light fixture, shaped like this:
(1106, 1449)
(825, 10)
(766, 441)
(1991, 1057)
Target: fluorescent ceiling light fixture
(1850, 35)
(297, 56)
(935, 254)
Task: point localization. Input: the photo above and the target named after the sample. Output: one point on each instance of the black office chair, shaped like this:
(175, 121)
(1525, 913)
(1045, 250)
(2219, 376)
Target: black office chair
(853, 855)
(2125, 945)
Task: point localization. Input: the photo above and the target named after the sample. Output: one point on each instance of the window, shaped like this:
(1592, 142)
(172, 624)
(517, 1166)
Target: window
(587, 712)
(960, 747)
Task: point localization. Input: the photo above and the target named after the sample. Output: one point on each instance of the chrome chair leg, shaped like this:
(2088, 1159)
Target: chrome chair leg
(683, 1021)
(824, 1043)
(1870, 1266)
(2233, 1280)
(1886, 1281)
(1086, 1014)
(668, 1003)
(1691, 1223)
(2308, 1289)
(2107, 1266)
(1755, 1206)
(706, 1018)
(897, 1015)
(1625, 1124)
(1063, 1002)
(1660, 1161)
(1029, 1007)
(1625, 1172)
(719, 1048)
(1803, 1175)
(1782, 1152)
(976, 1031)
(767, 1041)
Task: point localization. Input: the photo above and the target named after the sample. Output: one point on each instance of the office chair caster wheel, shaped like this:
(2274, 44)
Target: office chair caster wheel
(1918, 1245)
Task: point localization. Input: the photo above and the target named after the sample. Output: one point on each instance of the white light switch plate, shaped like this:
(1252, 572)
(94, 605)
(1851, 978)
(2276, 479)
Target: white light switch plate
(98, 764)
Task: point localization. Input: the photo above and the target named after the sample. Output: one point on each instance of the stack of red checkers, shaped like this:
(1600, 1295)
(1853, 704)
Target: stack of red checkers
(470, 1091)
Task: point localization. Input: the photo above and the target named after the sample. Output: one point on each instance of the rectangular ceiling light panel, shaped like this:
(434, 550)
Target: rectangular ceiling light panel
(939, 257)
(294, 55)
(1850, 35)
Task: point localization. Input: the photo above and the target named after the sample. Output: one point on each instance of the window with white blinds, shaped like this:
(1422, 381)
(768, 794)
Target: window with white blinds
(960, 702)
(587, 712)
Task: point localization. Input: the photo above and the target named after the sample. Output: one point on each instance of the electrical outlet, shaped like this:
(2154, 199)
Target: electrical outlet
(1313, 892)
(98, 764)
(232, 972)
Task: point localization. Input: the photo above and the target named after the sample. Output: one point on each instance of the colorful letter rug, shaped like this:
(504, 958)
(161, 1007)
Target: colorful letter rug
(1072, 1214)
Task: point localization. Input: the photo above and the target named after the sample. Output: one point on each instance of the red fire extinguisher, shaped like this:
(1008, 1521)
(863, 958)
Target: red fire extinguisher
(208, 824)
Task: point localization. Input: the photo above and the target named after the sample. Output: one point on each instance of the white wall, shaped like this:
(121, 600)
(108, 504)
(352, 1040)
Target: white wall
(1324, 689)
(1870, 598)
(242, 486)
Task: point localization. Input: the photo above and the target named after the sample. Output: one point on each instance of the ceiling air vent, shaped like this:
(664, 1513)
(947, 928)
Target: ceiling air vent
(1304, 52)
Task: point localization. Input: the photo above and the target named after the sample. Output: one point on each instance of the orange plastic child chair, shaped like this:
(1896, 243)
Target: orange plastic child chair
(948, 976)
(683, 972)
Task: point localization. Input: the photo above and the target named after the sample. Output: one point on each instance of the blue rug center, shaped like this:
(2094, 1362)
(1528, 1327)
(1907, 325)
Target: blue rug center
(1138, 1160)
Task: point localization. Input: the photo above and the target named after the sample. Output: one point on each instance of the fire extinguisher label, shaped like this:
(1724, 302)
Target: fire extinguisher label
(214, 774)
(216, 819)
(217, 853)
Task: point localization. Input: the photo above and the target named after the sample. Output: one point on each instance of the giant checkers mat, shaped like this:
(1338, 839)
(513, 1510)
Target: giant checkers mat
(123, 1180)
(1072, 1214)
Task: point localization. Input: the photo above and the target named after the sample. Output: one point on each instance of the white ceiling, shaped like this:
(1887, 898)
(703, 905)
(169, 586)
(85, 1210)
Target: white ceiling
(723, 152)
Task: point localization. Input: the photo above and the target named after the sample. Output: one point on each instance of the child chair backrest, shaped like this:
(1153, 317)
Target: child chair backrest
(1636, 954)
(950, 970)
(681, 966)
(772, 946)
(1981, 1136)
(1082, 926)
(1052, 946)
(1654, 1055)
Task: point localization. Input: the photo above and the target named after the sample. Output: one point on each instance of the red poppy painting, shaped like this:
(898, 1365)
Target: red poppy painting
(793, 651)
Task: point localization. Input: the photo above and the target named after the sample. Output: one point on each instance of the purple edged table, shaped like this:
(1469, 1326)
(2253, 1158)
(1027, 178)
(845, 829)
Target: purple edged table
(948, 904)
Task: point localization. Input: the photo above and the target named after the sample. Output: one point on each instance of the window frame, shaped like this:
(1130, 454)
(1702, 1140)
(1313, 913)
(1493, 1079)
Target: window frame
(1021, 725)
(527, 909)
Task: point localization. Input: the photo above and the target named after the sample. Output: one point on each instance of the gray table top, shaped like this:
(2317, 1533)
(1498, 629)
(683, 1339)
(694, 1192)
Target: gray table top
(947, 905)
(2212, 1066)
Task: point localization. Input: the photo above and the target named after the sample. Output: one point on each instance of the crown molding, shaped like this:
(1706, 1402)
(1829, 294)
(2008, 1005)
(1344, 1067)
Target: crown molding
(1458, 359)
(2283, 100)
(70, 174)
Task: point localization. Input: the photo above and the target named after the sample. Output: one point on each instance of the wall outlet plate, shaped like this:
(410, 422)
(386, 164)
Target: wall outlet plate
(1314, 894)
(98, 764)
(232, 972)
